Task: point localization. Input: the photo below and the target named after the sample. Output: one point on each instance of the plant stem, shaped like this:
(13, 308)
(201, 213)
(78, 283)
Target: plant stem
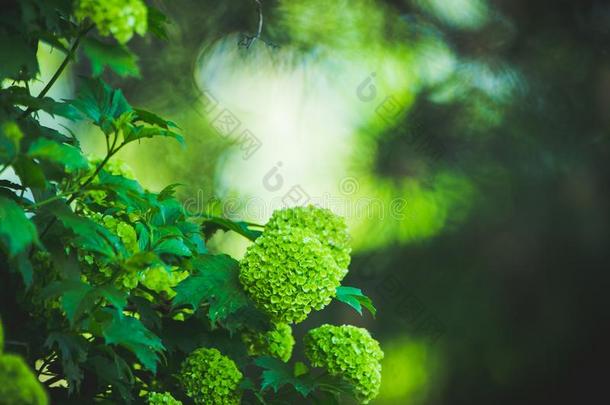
(6, 166)
(109, 154)
(91, 178)
(50, 200)
(260, 20)
(46, 362)
(53, 380)
(60, 69)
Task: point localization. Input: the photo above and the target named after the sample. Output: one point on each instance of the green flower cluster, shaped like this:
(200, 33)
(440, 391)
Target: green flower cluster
(288, 272)
(348, 352)
(19, 384)
(330, 228)
(278, 342)
(159, 278)
(115, 167)
(119, 18)
(162, 398)
(122, 229)
(128, 236)
(210, 378)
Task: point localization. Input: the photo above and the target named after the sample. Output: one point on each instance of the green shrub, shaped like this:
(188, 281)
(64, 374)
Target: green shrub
(116, 280)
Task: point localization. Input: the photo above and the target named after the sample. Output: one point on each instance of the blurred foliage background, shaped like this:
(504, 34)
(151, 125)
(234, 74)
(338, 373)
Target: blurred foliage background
(465, 141)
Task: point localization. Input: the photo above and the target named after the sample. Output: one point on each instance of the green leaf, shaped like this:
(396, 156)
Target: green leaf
(76, 297)
(216, 282)
(168, 232)
(300, 369)
(136, 132)
(277, 374)
(48, 15)
(21, 96)
(211, 223)
(247, 384)
(66, 155)
(193, 236)
(130, 333)
(184, 336)
(127, 191)
(100, 103)
(18, 56)
(29, 172)
(140, 261)
(79, 298)
(22, 263)
(157, 22)
(114, 371)
(173, 246)
(58, 136)
(118, 299)
(116, 57)
(168, 192)
(152, 119)
(143, 236)
(34, 130)
(54, 108)
(53, 40)
(168, 212)
(354, 298)
(10, 138)
(17, 232)
(73, 349)
(148, 315)
(89, 234)
(65, 261)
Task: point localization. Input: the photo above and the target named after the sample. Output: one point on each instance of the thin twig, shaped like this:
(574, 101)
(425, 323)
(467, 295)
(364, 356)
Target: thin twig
(260, 19)
(90, 179)
(248, 41)
(9, 164)
(110, 154)
(54, 380)
(51, 199)
(46, 362)
(59, 70)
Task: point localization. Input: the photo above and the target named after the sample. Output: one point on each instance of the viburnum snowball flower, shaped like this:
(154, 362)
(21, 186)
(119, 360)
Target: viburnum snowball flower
(288, 272)
(208, 377)
(119, 18)
(329, 227)
(278, 342)
(19, 384)
(162, 398)
(349, 352)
